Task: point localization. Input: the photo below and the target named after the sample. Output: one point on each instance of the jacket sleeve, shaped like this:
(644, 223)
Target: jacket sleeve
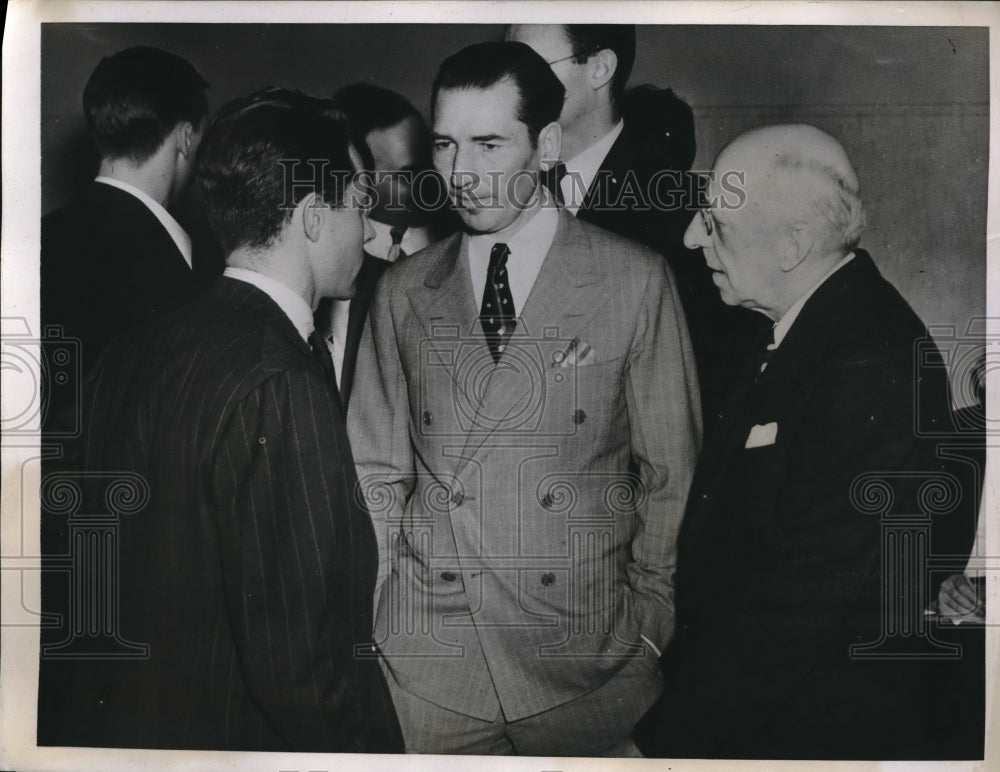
(664, 413)
(378, 423)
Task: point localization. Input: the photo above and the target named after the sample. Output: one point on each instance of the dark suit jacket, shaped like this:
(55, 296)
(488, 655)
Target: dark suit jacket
(635, 195)
(371, 271)
(780, 566)
(251, 570)
(108, 265)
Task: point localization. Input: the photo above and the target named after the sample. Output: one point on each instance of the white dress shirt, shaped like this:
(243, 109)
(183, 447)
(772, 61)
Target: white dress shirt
(528, 248)
(290, 302)
(415, 238)
(582, 168)
(170, 225)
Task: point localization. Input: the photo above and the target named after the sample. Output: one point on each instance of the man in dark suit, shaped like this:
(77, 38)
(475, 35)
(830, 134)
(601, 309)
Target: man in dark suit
(250, 571)
(116, 256)
(525, 436)
(626, 157)
(803, 570)
(395, 146)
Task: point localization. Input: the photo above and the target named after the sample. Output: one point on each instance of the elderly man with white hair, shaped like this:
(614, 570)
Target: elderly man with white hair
(802, 567)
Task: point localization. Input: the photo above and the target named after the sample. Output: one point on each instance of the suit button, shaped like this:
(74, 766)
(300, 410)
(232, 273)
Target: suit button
(579, 417)
(448, 576)
(720, 416)
(548, 579)
(547, 501)
(428, 418)
(457, 498)
(704, 497)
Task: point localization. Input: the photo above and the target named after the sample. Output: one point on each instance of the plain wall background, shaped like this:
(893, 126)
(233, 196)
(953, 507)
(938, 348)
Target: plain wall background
(909, 104)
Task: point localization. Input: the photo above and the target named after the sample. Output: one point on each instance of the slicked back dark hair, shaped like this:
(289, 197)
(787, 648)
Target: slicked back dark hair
(587, 39)
(483, 65)
(136, 97)
(262, 155)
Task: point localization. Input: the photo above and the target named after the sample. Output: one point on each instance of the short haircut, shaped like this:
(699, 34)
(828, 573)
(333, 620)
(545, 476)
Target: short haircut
(136, 97)
(372, 108)
(587, 39)
(834, 198)
(484, 65)
(262, 155)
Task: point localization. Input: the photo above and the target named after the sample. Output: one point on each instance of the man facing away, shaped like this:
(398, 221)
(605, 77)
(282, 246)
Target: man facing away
(804, 558)
(249, 573)
(116, 256)
(628, 172)
(513, 375)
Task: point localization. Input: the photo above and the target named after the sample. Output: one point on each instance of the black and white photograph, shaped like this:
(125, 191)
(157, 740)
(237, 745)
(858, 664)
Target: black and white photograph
(537, 385)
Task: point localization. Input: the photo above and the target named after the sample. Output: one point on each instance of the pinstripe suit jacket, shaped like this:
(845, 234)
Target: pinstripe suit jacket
(250, 571)
(526, 555)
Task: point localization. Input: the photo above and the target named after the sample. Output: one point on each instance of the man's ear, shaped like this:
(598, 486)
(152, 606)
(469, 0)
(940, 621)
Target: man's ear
(601, 68)
(798, 243)
(184, 137)
(311, 210)
(550, 144)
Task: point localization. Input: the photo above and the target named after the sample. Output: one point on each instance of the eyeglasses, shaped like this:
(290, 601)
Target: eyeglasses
(707, 221)
(556, 61)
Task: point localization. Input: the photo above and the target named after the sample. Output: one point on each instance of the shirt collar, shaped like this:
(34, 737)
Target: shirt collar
(584, 167)
(172, 227)
(785, 323)
(415, 238)
(532, 238)
(290, 302)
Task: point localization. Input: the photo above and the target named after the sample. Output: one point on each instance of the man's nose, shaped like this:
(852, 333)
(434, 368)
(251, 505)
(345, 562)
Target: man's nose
(369, 231)
(696, 234)
(463, 173)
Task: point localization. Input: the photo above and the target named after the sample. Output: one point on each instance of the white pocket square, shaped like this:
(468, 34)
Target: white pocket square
(577, 354)
(762, 435)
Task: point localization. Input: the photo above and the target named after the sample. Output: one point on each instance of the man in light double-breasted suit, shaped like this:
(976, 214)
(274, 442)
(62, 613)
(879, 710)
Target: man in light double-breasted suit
(525, 422)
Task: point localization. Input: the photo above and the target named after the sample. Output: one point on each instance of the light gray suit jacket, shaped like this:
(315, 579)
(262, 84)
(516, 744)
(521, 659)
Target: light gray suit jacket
(527, 512)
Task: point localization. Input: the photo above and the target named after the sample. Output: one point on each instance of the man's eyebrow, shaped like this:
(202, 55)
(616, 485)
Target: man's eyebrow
(490, 137)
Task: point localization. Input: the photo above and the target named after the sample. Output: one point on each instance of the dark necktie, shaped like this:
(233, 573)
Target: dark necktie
(322, 355)
(766, 352)
(396, 250)
(552, 179)
(497, 313)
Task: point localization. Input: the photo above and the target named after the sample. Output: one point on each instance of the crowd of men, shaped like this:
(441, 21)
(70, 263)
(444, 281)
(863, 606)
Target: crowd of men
(506, 434)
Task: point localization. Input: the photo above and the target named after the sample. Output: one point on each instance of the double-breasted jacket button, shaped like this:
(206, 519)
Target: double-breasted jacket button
(428, 418)
(448, 576)
(547, 501)
(579, 416)
(548, 579)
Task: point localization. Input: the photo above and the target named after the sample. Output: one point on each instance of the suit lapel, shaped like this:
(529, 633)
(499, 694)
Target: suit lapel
(568, 293)
(604, 189)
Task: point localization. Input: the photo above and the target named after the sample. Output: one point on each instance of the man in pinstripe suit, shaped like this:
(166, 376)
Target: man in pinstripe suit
(250, 572)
